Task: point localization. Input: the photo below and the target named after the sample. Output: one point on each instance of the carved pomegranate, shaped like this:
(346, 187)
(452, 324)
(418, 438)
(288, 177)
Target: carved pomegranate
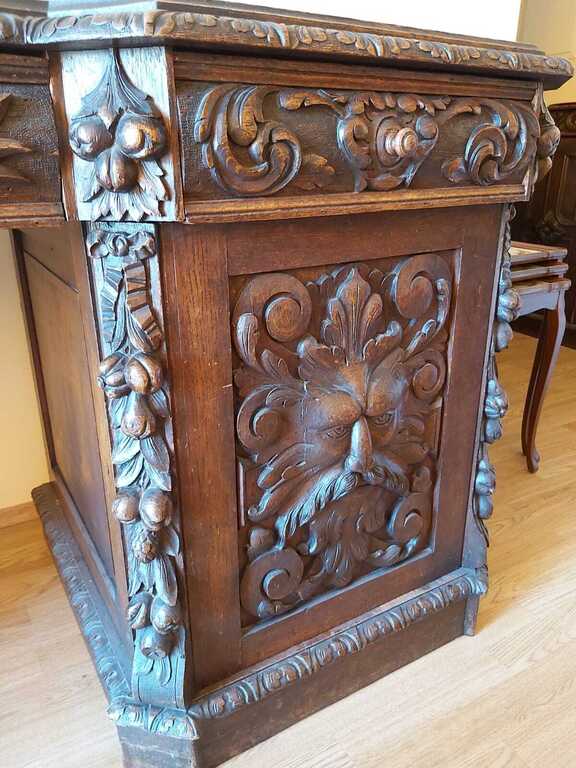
(165, 618)
(125, 507)
(89, 137)
(115, 171)
(143, 374)
(155, 509)
(138, 420)
(111, 376)
(140, 137)
(144, 546)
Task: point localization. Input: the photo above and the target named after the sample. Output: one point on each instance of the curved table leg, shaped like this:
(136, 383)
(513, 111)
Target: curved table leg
(544, 363)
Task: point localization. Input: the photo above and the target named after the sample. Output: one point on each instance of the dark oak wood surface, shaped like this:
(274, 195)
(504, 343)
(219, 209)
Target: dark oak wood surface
(265, 342)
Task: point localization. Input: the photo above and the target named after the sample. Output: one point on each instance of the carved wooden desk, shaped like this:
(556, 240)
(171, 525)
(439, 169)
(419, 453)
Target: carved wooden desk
(264, 324)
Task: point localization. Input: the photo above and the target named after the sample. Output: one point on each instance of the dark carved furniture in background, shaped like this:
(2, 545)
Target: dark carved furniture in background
(264, 325)
(538, 276)
(550, 217)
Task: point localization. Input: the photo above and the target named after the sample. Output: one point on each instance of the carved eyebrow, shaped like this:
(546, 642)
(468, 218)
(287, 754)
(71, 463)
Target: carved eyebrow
(331, 410)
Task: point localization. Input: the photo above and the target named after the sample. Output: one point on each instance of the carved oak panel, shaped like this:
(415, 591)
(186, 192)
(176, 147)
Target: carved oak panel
(244, 141)
(339, 382)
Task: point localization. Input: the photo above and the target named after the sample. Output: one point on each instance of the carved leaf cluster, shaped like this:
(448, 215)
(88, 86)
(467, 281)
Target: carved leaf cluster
(121, 133)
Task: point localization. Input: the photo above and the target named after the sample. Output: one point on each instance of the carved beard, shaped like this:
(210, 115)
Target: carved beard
(303, 496)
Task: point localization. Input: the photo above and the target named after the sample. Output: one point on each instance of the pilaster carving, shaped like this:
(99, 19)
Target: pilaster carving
(384, 138)
(132, 376)
(122, 134)
(495, 403)
(337, 381)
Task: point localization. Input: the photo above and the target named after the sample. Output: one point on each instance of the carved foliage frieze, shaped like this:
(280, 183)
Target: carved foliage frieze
(121, 133)
(132, 376)
(382, 138)
(183, 26)
(340, 380)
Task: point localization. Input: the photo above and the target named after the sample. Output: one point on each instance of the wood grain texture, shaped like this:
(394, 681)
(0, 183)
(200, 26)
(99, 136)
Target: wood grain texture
(515, 673)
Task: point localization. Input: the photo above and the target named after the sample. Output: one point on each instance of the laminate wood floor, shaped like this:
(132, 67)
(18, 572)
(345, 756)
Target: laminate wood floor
(503, 699)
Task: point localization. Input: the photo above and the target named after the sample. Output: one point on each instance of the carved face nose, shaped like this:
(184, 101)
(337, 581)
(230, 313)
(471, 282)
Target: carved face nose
(360, 457)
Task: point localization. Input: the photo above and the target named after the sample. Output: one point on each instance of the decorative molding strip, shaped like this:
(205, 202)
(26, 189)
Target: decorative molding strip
(122, 134)
(384, 138)
(219, 30)
(255, 686)
(76, 580)
(133, 380)
(355, 638)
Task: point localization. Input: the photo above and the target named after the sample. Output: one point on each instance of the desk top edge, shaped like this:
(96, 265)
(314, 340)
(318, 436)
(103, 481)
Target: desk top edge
(256, 30)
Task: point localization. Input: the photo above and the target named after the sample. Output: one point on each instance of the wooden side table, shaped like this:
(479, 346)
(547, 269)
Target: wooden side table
(264, 321)
(538, 278)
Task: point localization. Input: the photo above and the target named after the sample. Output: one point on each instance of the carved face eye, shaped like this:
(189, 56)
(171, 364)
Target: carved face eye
(385, 419)
(337, 433)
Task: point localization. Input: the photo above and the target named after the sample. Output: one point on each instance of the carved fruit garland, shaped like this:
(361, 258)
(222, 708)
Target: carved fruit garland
(121, 133)
(132, 379)
(495, 401)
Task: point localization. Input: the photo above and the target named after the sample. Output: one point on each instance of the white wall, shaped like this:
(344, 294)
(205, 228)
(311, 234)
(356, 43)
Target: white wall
(487, 18)
(22, 455)
(552, 26)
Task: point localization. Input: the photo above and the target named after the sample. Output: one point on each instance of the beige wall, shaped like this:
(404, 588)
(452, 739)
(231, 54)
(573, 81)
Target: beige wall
(551, 24)
(22, 456)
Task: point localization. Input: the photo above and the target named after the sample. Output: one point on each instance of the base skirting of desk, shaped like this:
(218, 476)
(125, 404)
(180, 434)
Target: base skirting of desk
(263, 700)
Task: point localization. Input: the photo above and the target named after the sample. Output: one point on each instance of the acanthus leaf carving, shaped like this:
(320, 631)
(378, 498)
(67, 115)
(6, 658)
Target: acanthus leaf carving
(121, 133)
(336, 381)
(133, 380)
(383, 137)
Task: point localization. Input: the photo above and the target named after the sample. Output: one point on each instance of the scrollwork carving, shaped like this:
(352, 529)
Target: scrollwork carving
(336, 381)
(383, 137)
(121, 133)
(133, 380)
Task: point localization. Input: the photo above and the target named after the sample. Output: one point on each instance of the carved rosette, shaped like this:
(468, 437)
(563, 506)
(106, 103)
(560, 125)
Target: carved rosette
(121, 133)
(133, 380)
(383, 137)
(339, 383)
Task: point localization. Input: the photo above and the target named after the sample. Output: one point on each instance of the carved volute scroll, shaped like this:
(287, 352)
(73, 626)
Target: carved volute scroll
(340, 385)
(9, 147)
(133, 378)
(121, 133)
(384, 138)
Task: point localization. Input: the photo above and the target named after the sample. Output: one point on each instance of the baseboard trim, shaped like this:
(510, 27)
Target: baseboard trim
(20, 513)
